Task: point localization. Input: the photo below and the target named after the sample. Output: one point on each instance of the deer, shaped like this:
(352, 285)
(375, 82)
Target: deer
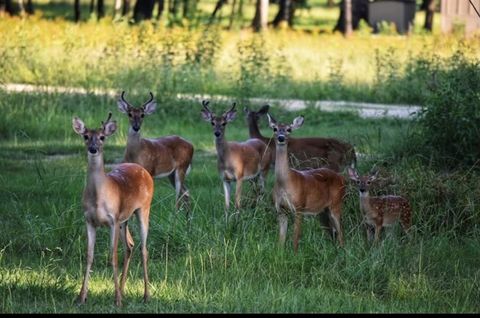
(164, 156)
(303, 192)
(307, 152)
(110, 199)
(380, 211)
(236, 161)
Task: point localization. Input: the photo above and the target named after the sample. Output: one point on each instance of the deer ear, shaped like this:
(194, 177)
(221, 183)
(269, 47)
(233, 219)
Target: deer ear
(246, 110)
(352, 174)
(206, 115)
(109, 128)
(122, 106)
(373, 175)
(149, 108)
(271, 121)
(297, 122)
(230, 115)
(78, 126)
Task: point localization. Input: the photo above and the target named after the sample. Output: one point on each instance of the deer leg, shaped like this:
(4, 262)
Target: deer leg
(180, 189)
(370, 230)
(91, 236)
(226, 189)
(378, 229)
(334, 215)
(143, 221)
(128, 244)
(238, 192)
(115, 232)
(283, 226)
(297, 229)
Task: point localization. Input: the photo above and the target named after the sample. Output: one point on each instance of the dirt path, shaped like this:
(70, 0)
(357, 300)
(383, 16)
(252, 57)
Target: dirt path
(364, 110)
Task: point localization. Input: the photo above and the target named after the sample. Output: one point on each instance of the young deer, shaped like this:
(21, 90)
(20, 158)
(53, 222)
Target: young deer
(236, 161)
(307, 152)
(380, 211)
(165, 156)
(303, 192)
(110, 200)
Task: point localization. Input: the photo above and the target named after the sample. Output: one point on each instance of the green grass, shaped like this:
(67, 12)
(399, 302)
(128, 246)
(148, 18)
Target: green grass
(216, 266)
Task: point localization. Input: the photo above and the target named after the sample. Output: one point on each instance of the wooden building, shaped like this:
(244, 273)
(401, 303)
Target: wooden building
(459, 14)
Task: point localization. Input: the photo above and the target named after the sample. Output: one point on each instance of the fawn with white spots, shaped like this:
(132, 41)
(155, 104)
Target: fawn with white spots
(380, 211)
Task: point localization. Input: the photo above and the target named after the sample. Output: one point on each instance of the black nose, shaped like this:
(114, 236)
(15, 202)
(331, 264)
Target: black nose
(92, 150)
(217, 133)
(136, 128)
(362, 190)
(281, 138)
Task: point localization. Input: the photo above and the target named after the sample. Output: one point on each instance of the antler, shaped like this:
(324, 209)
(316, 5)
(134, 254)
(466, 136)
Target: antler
(123, 99)
(151, 98)
(233, 107)
(205, 105)
(109, 117)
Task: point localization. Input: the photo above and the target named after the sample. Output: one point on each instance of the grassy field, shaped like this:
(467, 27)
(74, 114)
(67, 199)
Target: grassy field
(216, 266)
(235, 266)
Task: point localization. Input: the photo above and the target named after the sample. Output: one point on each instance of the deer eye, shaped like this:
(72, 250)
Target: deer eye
(275, 129)
(368, 182)
(102, 138)
(358, 181)
(223, 124)
(85, 137)
(289, 130)
(213, 124)
(142, 115)
(129, 114)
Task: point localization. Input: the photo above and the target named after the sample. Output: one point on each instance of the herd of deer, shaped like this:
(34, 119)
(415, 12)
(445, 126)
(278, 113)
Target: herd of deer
(308, 179)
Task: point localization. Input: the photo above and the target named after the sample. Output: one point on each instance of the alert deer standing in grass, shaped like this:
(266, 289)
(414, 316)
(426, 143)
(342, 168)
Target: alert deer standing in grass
(303, 192)
(110, 200)
(380, 211)
(165, 156)
(306, 152)
(236, 161)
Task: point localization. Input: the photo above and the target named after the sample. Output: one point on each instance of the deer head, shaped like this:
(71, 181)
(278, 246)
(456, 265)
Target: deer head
(218, 122)
(363, 182)
(94, 138)
(136, 114)
(281, 131)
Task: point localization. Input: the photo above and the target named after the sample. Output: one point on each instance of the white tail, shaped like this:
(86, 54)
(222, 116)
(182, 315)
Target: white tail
(165, 156)
(380, 211)
(308, 152)
(304, 192)
(110, 200)
(236, 161)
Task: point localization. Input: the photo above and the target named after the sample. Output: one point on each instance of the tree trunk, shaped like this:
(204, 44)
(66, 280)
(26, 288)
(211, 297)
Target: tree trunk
(359, 12)
(126, 7)
(161, 7)
(100, 9)
(348, 17)
(143, 10)
(173, 8)
(76, 10)
(29, 7)
(92, 6)
(117, 8)
(429, 7)
(21, 7)
(218, 6)
(232, 15)
(283, 15)
(260, 19)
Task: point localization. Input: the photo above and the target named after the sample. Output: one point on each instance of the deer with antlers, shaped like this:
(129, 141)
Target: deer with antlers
(307, 152)
(306, 192)
(165, 156)
(236, 161)
(110, 200)
(380, 211)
